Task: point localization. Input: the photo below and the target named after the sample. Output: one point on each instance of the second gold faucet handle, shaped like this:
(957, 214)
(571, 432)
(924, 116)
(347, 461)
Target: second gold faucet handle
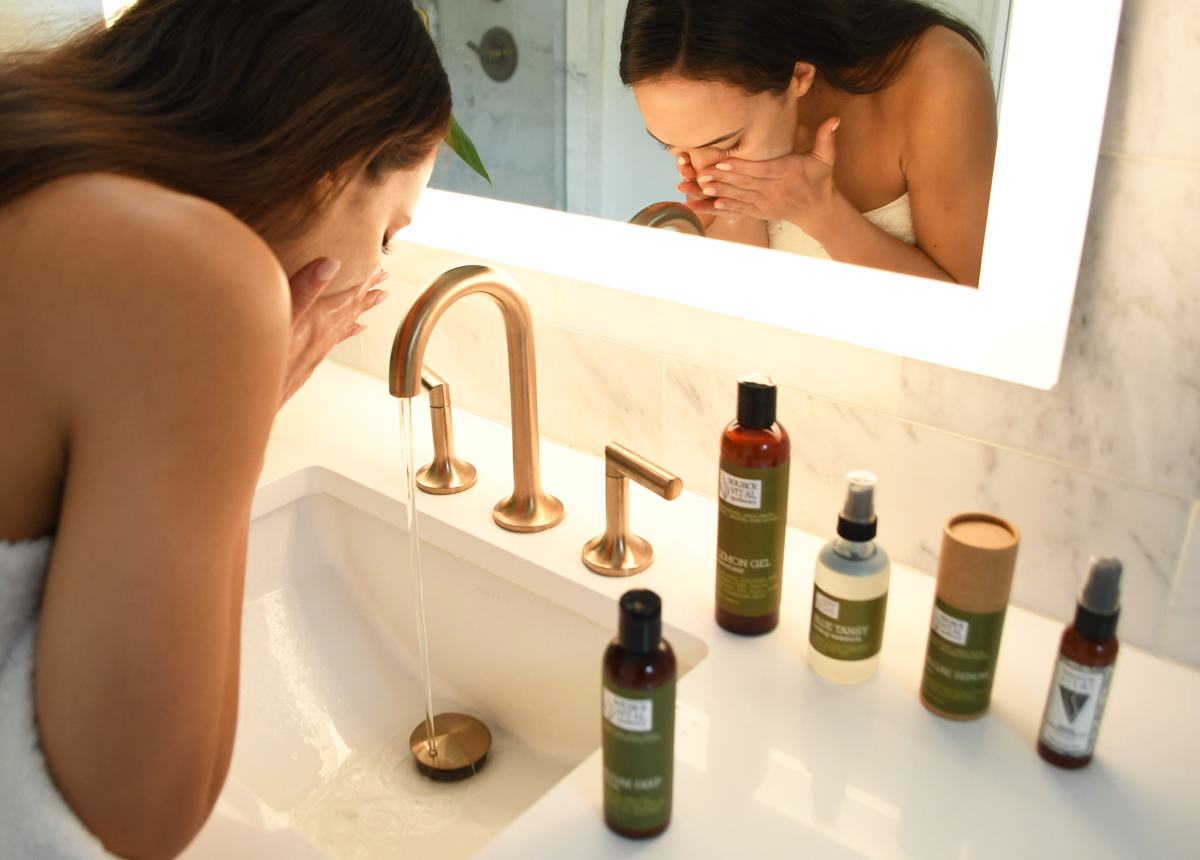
(619, 461)
(619, 552)
(446, 474)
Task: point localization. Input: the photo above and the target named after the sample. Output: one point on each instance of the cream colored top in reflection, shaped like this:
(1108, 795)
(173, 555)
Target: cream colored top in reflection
(895, 219)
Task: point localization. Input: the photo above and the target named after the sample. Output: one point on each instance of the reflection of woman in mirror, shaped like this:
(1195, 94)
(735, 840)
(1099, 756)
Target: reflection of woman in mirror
(862, 131)
(193, 205)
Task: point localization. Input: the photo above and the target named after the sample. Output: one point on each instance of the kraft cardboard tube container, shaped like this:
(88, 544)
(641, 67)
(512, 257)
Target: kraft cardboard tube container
(975, 572)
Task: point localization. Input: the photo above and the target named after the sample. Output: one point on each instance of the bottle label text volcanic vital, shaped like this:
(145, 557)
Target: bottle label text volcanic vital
(751, 529)
(639, 755)
(847, 629)
(1074, 708)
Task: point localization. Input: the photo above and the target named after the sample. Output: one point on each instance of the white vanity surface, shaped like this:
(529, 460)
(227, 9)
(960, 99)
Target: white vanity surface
(771, 760)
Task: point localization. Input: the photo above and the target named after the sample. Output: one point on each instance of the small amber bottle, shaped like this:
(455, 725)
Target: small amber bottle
(638, 706)
(752, 511)
(1084, 670)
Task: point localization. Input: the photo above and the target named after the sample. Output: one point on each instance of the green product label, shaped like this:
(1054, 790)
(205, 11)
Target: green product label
(960, 663)
(751, 529)
(639, 755)
(847, 629)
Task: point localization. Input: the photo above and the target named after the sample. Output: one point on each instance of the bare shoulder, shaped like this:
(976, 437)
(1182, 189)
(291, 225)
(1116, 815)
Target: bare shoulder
(105, 256)
(136, 236)
(945, 73)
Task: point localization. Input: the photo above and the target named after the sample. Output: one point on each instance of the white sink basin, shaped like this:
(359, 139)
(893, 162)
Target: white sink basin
(330, 686)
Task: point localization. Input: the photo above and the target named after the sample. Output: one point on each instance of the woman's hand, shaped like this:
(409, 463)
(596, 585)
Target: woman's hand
(795, 188)
(321, 323)
(731, 226)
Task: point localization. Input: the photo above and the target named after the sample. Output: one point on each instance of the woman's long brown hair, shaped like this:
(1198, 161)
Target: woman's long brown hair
(248, 103)
(859, 46)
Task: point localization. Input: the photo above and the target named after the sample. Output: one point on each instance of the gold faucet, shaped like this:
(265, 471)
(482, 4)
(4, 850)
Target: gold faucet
(446, 474)
(669, 215)
(528, 509)
(619, 552)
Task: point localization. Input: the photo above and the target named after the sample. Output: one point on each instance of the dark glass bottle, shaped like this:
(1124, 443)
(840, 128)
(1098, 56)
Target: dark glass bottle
(752, 512)
(1083, 672)
(638, 704)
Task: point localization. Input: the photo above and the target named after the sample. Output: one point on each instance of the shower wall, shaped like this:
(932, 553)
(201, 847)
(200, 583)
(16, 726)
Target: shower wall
(518, 125)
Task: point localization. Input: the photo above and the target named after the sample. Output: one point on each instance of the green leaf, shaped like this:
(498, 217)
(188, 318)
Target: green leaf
(457, 140)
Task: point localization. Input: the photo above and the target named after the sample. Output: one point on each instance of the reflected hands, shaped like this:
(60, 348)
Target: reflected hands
(319, 323)
(795, 188)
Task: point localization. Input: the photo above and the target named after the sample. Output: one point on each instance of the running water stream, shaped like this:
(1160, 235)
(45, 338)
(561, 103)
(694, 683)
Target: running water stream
(414, 560)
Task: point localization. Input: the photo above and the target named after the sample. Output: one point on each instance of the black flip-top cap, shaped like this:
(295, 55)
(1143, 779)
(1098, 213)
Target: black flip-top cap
(756, 401)
(640, 626)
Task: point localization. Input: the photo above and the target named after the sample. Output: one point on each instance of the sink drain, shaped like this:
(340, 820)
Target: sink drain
(459, 750)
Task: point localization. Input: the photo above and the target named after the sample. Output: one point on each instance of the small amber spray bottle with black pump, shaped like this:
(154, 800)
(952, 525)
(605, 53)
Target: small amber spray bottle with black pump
(752, 511)
(1084, 670)
(638, 703)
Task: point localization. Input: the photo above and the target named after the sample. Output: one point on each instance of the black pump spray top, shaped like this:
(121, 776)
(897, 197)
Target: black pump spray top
(857, 521)
(1100, 600)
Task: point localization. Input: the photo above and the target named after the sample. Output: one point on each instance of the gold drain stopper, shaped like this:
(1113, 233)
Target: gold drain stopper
(461, 741)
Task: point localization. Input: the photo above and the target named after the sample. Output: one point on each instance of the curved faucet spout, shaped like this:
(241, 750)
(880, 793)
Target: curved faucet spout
(528, 509)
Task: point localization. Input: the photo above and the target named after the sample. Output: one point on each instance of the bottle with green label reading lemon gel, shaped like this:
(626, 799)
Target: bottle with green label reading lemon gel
(850, 591)
(752, 511)
(638, 706)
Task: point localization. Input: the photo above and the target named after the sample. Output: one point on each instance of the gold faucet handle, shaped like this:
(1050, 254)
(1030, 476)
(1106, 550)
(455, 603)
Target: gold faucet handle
(619, 552)
(446, 474)
(619, 462)
(669, 215)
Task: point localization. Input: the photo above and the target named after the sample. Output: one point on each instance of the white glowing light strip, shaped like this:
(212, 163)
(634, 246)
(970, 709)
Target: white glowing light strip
(113, 9)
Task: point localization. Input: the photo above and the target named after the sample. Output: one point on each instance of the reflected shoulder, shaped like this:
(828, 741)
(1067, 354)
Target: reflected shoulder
(944, 65)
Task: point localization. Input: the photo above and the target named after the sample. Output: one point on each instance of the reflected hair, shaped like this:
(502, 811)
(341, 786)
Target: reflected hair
(264, 107)
(859, 46)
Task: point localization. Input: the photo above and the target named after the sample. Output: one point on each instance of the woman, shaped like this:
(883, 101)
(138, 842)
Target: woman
(192, 207)
(864, 130)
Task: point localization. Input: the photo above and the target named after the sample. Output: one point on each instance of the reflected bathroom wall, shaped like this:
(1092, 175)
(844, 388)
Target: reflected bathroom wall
(516, 123)
(31, 24)
(563, 132)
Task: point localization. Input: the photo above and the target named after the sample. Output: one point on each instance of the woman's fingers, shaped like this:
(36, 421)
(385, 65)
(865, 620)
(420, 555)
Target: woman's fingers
(825, 147)
(773, 169)
(729, 205)
(309, 283)
(749, 192)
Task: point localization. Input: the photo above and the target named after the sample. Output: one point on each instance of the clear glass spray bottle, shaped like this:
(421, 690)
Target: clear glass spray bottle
(850, 590)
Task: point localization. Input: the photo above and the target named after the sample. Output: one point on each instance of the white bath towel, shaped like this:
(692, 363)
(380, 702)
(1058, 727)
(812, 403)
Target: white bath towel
(35, 821)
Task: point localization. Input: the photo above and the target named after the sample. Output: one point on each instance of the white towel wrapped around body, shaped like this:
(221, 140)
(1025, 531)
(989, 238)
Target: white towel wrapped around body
(35, 821)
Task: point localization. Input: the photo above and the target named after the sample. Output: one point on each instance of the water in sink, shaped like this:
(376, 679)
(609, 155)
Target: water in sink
(331, 685)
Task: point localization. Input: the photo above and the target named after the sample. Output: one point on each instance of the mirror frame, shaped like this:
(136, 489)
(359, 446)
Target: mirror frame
(1013, 327)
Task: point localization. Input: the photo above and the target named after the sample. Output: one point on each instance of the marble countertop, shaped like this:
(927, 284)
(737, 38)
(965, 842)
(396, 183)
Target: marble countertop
(772, 760)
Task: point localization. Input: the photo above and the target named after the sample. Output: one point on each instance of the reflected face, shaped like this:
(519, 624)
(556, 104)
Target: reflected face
(357, 224)
(708, 121)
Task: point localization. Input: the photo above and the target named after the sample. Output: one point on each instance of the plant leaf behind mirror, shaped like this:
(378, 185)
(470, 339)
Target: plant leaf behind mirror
(458, 141)
(456, 138)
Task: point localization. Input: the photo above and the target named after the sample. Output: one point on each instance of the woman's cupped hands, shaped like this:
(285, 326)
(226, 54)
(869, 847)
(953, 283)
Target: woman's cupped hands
(321, 322)
(796, 187)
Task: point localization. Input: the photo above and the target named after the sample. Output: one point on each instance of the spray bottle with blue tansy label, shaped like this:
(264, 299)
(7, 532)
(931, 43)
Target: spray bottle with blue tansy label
(850, 591)
(752, 511)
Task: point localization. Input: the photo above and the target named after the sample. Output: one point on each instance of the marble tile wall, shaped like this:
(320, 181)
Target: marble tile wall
(1106, 463)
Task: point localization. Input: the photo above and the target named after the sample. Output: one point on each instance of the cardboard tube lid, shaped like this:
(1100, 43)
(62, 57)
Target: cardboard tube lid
(975, 568)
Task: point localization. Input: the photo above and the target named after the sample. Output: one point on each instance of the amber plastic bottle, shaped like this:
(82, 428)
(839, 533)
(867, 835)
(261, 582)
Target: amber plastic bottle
(1083, 672)
(638, 720)
(758, 450)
